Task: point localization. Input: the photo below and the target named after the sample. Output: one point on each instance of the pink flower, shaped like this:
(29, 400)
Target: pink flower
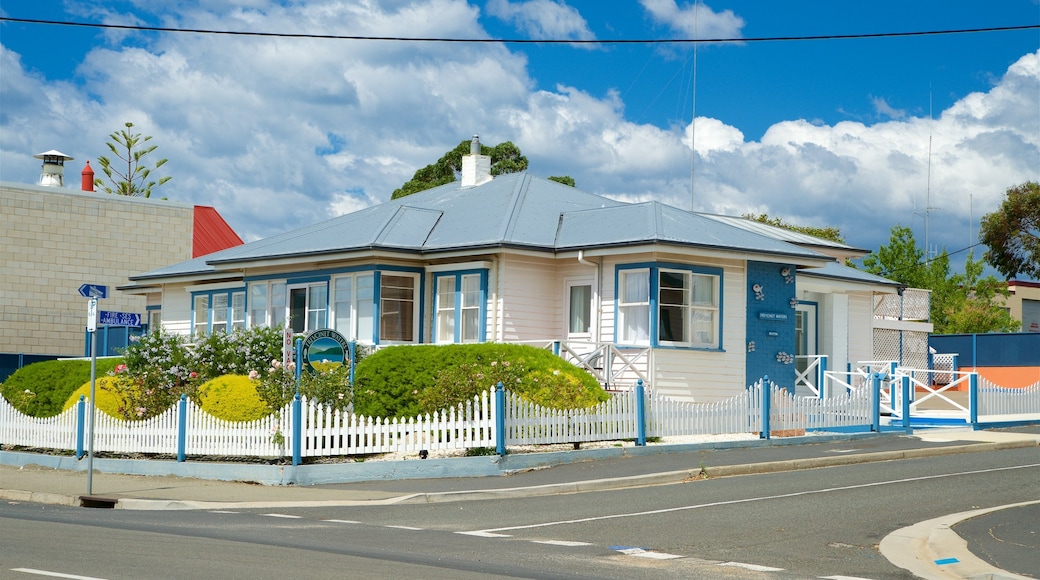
(120, 368)
(193, 374)
(253, 375)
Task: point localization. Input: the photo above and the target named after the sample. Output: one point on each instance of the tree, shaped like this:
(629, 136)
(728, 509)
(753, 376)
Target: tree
(828, 233)
(129, 148)
(1012, 233)
(505, 158)
(960, 303)
(564, 179)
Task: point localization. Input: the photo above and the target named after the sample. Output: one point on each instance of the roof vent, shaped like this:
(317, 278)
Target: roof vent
(476, 168)
(53, 168)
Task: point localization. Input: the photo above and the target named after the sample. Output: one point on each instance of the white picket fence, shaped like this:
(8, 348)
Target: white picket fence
(327, 432)
(997, 400)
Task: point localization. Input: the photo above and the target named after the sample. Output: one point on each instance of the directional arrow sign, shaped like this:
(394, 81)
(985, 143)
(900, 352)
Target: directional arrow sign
(119, 318)
(93, 291)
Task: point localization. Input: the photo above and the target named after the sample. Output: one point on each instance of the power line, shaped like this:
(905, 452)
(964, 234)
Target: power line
(520, 40)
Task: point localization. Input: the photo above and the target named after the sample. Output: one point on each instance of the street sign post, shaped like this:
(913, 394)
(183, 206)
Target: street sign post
(93, 291)
(120, 318)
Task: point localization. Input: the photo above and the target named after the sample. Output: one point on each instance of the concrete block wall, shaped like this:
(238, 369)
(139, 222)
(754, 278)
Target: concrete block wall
(52, 240)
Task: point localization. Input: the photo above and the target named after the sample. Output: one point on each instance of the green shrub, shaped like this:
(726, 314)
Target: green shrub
(232, 398)
(405, 381)
(49, 384)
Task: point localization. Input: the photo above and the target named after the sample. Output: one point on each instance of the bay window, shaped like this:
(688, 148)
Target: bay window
(460, 307)
(669, 305)
(218, 311)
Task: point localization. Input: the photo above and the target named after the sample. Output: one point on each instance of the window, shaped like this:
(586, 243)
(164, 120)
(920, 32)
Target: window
(460, 306)
(579, 309)
(219, 311)
(308, 307)
(267, 304)
(687, 309)
(398, 315)
(634, 307)
(352, 306)
(684, 301)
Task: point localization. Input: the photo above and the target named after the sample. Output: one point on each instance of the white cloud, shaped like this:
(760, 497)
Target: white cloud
(881, 107)
(542, 19)
(696, 20)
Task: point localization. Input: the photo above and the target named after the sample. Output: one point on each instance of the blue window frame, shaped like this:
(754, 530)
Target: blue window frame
(668, 305)
(218, 311)
(460, 306)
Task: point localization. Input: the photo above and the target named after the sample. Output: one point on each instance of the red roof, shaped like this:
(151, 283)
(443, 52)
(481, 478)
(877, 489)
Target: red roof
(212, 233)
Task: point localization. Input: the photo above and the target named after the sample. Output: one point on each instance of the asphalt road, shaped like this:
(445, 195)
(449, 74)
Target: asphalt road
(811, 523)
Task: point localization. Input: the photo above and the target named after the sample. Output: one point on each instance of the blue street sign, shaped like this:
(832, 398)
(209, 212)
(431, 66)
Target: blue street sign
(93, 291)
(119, 318)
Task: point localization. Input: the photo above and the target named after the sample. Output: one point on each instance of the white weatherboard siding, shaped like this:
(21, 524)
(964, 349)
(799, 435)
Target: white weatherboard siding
(176, 310)
(531, 306)
(834, 326)
(861, 328)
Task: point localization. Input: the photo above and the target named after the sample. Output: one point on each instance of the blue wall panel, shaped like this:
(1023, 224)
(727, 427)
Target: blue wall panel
(770, 323)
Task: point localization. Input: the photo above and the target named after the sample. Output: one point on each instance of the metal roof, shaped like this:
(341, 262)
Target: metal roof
(515, 210)
(783, 233)
(836, 271)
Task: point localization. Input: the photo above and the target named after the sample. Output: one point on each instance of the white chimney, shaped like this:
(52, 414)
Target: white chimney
(476, 168)
(53, 168)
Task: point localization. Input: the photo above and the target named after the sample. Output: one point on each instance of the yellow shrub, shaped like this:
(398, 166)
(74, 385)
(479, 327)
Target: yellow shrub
(232, 398)
(106, 393)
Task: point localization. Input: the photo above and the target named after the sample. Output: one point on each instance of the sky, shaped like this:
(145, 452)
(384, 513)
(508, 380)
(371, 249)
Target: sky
(277, 133)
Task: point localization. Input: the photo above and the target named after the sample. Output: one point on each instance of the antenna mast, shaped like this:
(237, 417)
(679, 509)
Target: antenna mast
(693, 113)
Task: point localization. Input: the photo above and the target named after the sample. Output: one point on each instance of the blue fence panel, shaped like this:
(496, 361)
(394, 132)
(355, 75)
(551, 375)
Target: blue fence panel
(1021, 349)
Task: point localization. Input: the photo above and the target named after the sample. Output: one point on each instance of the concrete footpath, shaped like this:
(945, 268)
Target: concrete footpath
(927, 550)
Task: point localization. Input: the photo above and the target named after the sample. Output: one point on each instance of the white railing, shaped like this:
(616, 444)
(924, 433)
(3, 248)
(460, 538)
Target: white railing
(615, 367)
(937, 400)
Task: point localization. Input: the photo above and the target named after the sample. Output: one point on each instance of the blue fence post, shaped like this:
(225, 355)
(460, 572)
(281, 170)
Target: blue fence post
(640, 414)
(955, 364)
(767, 397)
(876, 402)
(556, 347)
(906, 405)
(297, 428)
(81, 413)
(821, 374)
(973, 400)
(500, 419)
(352, 348)
(182, 428)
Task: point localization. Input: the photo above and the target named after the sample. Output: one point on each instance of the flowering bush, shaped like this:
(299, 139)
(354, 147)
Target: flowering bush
(157, 370)
(237, 353)
(277, 386)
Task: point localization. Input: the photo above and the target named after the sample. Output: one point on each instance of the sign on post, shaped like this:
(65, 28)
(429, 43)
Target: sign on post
(120, 318)
(93, 291)
(92, 315)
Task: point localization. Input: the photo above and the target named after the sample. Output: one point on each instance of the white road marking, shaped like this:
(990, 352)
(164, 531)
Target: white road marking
(342, 521)
(483, 534)
(405, 528)
(561, 543)
(53, 574)
(286, 516)
(222, 512)
(657, 555)
(754, 567)
(750, 499)
(842, 578)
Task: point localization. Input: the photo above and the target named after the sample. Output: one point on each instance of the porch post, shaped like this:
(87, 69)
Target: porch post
(640, 414)
(767, 396)
(500, 419)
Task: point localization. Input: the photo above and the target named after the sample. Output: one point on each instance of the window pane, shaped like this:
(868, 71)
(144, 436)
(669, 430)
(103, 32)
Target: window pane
(364, 307)
(704, 290)
(396, 308)
(470, 325)
(580, 309)
(220, 313)
(298, 309)
(344, 306)
(704, 328)
(201, 316)
(635, 286)
(674, 300)
(635, 324)
(446, 309)
(258, 304)
(317, 306)
(277, 309)
(471, 291)
(238, 310)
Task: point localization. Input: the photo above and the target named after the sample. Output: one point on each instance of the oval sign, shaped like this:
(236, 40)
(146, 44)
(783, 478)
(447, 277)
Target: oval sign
(324, 350)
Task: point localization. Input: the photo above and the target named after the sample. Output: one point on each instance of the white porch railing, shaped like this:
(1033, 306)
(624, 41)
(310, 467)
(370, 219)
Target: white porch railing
(615, 367)
(808, 373)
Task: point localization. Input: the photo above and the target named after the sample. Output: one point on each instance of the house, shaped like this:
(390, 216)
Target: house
(55, 239)
(698, 306)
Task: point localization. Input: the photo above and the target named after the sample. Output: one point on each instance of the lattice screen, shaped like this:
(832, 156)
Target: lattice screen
(914, 351)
